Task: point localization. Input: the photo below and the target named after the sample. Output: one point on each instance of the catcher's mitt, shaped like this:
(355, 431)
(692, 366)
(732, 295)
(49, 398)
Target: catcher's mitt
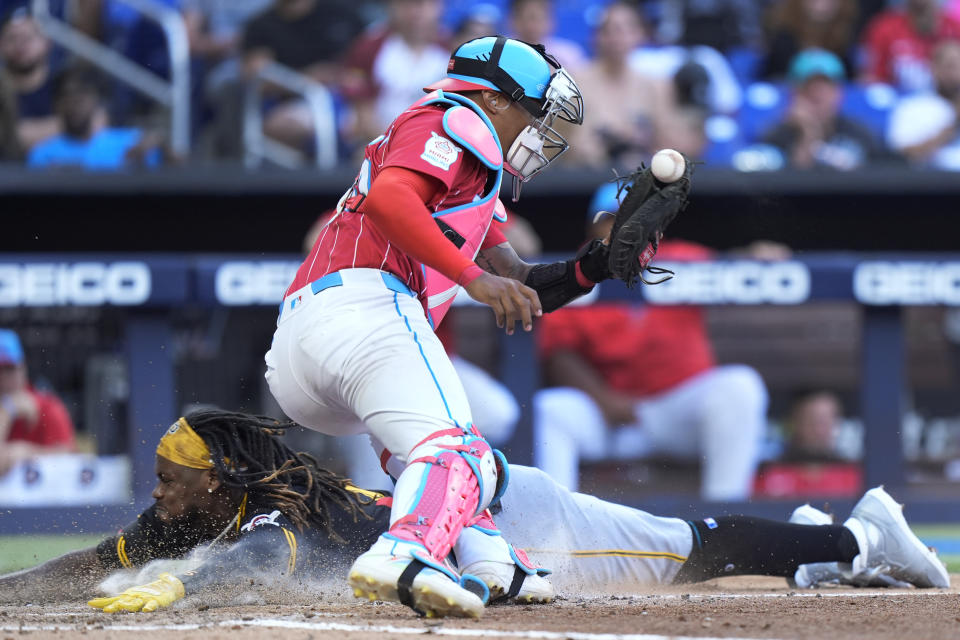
(645, 212)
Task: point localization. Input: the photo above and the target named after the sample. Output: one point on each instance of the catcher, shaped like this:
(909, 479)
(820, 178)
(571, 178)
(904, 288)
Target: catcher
(228, 485)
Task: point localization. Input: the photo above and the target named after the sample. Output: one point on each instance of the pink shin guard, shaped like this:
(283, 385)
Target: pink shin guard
(450, 478)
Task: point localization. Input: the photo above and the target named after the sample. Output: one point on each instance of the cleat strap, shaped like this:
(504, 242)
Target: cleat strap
(405, 583)
(519, 575)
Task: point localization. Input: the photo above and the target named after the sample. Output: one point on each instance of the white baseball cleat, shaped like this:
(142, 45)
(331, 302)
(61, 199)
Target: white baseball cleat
(384, 573)
(810, 515)
(888, 546)
(501, 579)
(507, 571)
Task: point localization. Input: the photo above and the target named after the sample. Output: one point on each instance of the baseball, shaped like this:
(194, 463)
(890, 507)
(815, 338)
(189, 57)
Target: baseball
(667, 165)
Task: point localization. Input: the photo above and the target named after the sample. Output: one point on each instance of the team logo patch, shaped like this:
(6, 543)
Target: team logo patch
(711, 523)
(440, 152)
(260, 520)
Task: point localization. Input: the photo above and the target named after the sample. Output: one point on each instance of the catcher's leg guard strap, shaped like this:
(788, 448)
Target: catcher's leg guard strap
(405, 583)
(449, 480)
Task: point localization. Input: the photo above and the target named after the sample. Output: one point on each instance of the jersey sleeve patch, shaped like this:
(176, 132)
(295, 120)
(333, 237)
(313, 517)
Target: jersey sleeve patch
(440, 151)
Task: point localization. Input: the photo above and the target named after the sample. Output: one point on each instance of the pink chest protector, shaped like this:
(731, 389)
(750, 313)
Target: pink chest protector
(466, 225)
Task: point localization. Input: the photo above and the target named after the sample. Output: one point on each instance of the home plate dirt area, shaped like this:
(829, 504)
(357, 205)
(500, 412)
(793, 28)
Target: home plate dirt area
(742, 607)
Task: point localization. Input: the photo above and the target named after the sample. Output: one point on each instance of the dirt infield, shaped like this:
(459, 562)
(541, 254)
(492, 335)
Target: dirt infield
(727, 608)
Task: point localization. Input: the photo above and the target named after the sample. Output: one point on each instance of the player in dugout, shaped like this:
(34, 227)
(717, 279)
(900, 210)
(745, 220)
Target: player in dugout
(227, 484)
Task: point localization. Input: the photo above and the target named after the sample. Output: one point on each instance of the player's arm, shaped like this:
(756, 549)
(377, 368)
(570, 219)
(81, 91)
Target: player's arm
(396, 204)
(67, 577)
(268, 551)
(567, 368)
(556, 283)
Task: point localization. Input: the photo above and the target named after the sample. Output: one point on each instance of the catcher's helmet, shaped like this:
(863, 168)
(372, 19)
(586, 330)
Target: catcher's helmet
(532, 78)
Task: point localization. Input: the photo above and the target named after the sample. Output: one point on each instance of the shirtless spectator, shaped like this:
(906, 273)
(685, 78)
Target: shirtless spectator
(25, 58)
(32, 423)
(625, 107)
(533, 21)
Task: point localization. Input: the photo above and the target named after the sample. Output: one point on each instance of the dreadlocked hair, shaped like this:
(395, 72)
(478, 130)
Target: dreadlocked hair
(248, 456)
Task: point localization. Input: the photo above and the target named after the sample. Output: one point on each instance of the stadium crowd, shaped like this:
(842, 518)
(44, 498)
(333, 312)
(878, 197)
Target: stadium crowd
(752, 84)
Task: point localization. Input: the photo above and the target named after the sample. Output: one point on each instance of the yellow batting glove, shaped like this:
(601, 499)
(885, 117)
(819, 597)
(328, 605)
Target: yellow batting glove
(162, 592)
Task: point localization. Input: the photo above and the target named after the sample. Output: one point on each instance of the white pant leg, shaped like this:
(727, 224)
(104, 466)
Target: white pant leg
(363, 351)
(495, 410)
(363, 462)
(592, 546)
(567, 424)
(718, 416)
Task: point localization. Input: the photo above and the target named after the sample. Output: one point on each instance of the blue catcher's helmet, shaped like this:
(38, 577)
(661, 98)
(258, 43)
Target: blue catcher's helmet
(532, 78)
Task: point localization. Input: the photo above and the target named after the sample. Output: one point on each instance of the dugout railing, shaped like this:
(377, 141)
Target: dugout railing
(147, 288)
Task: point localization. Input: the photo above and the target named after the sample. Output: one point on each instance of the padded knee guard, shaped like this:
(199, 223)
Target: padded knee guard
(451, 477)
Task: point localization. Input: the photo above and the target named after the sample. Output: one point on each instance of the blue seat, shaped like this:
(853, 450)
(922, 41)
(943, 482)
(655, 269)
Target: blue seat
(764, 105)
(870, 105)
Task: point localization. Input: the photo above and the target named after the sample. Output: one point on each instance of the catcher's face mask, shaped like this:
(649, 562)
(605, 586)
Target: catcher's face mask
(540, 143)
(534, 81)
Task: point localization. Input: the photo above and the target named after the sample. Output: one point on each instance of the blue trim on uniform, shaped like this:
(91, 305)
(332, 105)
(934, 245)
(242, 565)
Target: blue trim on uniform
(330, 280)
(527, 570)
(455, 100)
(485, 590)
(489, 532)
(394, 283)
(696, 534)
(423, 355)
(423, 487)
(503, 476)
(463, 141)
(475, 468)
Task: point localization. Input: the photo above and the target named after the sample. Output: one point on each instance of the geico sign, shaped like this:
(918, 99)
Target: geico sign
(907, 283)
(80, 283)
(740, 282)
(263, 282)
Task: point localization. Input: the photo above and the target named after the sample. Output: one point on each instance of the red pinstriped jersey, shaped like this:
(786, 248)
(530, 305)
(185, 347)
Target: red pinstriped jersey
(415, 140)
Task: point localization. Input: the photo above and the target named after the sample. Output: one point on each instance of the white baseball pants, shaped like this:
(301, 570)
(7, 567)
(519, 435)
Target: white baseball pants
(718, 416)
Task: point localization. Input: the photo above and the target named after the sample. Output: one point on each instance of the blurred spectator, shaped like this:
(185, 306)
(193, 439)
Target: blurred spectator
(724, 94)
(388, 67)
(32, 423)
(306, 35)
(812, 428)
(9, 142)
(25, 54)
(719, 24)
(924, 126)
(481, 20)
(636, 381)
(534, 21)
(795, 25)
(898, 43)
(625, 107)
(215, 27)
(814, 133)
(87, 140)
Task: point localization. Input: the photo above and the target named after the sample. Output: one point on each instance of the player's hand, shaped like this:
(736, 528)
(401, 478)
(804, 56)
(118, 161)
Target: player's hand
(618, 408)
(162, 592)
(510, 300)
